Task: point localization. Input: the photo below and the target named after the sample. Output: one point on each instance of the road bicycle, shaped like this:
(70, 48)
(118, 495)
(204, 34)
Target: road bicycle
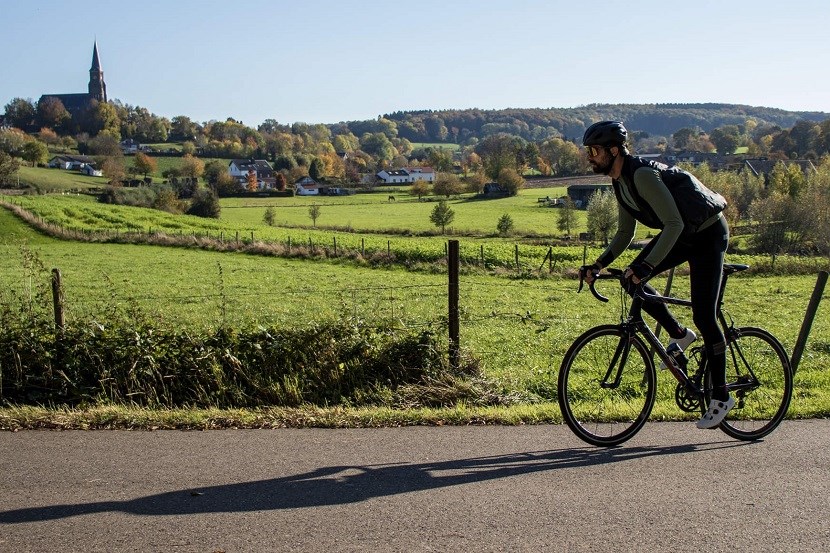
(608, 384)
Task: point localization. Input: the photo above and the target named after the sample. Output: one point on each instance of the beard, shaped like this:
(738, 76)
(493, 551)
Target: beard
(604, 168)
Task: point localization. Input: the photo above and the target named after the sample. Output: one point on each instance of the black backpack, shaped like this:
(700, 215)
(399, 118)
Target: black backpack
(696, 203)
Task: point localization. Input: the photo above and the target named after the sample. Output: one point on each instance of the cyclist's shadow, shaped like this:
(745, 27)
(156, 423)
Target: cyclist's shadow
(337, 485)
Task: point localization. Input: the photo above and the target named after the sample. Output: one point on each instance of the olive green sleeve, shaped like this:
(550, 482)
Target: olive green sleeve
(651, 188)
(626, 225)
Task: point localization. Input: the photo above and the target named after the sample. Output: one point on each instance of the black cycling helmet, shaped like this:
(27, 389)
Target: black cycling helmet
(605, 133)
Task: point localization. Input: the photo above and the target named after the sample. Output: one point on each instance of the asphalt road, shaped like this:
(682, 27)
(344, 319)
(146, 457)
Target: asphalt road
(529, 488)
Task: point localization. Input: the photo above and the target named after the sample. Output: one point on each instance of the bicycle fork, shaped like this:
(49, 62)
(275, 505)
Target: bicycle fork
(617, 363)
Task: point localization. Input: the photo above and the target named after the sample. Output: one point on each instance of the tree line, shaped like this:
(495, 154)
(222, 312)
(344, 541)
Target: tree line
(492, 146)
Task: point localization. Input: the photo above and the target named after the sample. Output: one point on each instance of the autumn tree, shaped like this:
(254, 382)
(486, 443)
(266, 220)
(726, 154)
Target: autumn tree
(226, 185)
(511, 181)
(192, 167)
(563, 158)
(49, 137)
(113, 170)
(500, 151)
(475, 182)
(442, 215)
(167, 200)
(419, 188)
(12, 141)
(144, 164)
(251, 180)
(52, 113)
(280, 182)
(104, 145)
(447, 184)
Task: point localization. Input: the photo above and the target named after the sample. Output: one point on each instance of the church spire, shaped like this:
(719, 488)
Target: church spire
(96, 61)
(97, 87)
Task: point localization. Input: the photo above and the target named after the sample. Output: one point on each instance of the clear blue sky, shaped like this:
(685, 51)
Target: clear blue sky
(322, 61)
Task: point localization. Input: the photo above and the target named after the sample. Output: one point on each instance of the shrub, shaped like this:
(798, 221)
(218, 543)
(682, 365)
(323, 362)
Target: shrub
(205, 204)
(505, 224)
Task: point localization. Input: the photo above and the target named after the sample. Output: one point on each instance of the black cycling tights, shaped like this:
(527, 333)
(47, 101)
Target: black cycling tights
(704, 251)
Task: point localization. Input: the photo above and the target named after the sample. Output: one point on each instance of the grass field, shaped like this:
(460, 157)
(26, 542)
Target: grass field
(47, 179)
(519, 329)
(57, 180)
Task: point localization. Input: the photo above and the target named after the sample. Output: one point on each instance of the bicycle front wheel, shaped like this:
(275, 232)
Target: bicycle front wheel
(606, 385)
(759, 376)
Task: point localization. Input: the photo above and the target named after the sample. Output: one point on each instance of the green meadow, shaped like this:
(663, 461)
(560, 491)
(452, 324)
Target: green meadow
(516, 324)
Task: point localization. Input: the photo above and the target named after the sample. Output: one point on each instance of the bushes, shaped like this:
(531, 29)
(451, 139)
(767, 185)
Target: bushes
(130, 361)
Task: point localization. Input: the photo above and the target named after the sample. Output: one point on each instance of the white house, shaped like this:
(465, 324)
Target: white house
(67, 161)
(307, 186)
(239, 169)
(90, 170)
(406, 175)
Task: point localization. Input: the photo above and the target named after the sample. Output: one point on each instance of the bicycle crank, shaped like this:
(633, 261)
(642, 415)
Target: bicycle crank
(688, 400)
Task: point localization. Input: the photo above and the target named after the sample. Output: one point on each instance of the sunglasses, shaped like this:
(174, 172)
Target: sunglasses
(593, 151)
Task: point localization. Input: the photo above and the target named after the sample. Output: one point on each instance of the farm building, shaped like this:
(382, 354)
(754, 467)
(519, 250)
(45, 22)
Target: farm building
(581, 193)
(67, 161)
(306, 186)
(406, 175)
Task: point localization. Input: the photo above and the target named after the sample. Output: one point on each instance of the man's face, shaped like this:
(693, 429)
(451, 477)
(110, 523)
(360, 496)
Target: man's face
(600, 159)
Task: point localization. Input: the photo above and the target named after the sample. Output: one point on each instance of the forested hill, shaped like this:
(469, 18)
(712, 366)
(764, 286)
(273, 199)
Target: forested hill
(538, 124)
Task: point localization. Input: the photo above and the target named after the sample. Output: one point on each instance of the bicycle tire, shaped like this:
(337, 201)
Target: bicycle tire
(753, 351)
(604, 416)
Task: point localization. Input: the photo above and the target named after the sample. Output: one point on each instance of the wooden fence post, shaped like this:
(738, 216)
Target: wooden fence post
(452, 315)
(812, 308)
(57, 301)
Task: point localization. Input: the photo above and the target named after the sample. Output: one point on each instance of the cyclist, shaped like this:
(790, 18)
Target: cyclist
(692, 229)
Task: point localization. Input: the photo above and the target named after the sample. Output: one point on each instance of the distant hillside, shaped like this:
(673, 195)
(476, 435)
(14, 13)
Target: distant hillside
(538, 124)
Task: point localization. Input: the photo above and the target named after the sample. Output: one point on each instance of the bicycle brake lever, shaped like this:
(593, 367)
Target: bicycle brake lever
(596, 294)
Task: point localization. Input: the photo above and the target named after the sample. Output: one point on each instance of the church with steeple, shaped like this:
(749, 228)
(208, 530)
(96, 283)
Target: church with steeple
(97, 89)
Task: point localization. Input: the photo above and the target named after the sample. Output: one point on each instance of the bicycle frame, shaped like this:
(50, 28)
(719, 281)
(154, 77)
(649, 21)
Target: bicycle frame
(635, 324)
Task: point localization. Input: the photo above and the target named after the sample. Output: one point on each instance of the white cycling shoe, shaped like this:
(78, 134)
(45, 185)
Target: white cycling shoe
(716, 412)
(683, 342)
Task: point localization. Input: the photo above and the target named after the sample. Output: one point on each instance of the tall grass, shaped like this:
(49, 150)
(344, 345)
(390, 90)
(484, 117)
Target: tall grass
(125, 357)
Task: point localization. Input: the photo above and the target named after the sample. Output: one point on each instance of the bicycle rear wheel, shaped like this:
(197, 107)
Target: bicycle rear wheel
(759, 376)
(606, 385)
